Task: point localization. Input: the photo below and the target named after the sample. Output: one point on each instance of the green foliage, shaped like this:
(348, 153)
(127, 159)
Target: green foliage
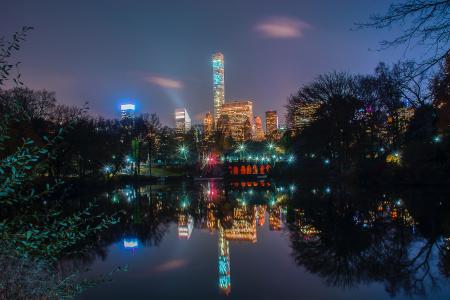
(35, 230)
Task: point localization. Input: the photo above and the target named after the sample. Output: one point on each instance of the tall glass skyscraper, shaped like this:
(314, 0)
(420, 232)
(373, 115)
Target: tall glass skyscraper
(182, 121)
(218, 85)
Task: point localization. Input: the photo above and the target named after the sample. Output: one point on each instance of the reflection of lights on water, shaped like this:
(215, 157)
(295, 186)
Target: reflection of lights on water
(314, 191)
(437, 139)
(115, 199)
(107, 169)
(131, 243)
(291, 159)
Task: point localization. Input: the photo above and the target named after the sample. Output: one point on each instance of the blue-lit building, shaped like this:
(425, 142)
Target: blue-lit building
(218, 84)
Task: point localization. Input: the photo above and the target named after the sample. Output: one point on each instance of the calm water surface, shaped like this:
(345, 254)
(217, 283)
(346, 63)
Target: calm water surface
(211, 240)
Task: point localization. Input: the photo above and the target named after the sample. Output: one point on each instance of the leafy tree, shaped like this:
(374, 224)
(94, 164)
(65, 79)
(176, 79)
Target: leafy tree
(34, 231)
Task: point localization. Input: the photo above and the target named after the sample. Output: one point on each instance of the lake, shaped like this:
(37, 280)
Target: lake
(268, 240)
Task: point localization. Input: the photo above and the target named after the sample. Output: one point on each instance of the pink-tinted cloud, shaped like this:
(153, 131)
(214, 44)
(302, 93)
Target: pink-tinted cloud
(165, 82)
(171, 265)
(282, 28)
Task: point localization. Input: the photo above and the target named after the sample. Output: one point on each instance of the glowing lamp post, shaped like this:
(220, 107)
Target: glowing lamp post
(241, 150)
(183, 151)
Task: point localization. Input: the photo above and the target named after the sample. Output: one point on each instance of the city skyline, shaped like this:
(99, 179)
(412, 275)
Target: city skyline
(163, 64)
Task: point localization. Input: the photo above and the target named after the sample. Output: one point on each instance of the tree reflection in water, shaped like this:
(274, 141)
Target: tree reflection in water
(347, 237)
(373, 238)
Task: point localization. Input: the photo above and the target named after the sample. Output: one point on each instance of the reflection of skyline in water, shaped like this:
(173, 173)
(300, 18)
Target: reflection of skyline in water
(345, 241)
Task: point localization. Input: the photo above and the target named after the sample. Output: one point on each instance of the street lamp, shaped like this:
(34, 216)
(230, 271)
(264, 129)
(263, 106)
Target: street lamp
(183, 150)
(240, 149)
(437, 139)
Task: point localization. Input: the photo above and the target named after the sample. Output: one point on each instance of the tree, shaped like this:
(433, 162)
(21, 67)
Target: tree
(152, 137)
(34, 231)
(425, 23)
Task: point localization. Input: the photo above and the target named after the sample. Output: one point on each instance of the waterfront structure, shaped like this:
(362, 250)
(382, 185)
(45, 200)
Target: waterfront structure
(182, 121)
(218, 85)
(271, 124)
(305, 114)
(236, 120)
(259, 131)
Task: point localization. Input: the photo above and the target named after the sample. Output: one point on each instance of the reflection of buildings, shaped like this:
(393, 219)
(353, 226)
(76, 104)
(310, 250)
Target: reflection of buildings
(130, 243)
(224, 262)
(185, 225)
(182, 121)
(218, 85)
(307, 230)
(243, 225)
(261, 214)
(236, 120)
(275, 218)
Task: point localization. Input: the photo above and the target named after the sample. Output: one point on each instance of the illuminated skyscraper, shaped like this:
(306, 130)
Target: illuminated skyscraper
(237, 119)
(271, 124)
(259, 131)
(218, 85)
(182, 121)
(127, 111)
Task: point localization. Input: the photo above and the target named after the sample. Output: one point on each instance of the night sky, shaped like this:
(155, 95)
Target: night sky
(158, 52)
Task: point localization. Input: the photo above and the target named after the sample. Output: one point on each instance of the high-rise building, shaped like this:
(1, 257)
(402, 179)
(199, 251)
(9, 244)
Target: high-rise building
(127, 111)
(237, 120)
(218, 85)
(182, 121)
(127, 114)
(304, 115)
(271, 124)
(208, 126)
(259, 131)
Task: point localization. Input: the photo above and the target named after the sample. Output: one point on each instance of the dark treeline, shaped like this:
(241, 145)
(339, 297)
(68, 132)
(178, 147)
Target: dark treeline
(88, 143)
(390, 123)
